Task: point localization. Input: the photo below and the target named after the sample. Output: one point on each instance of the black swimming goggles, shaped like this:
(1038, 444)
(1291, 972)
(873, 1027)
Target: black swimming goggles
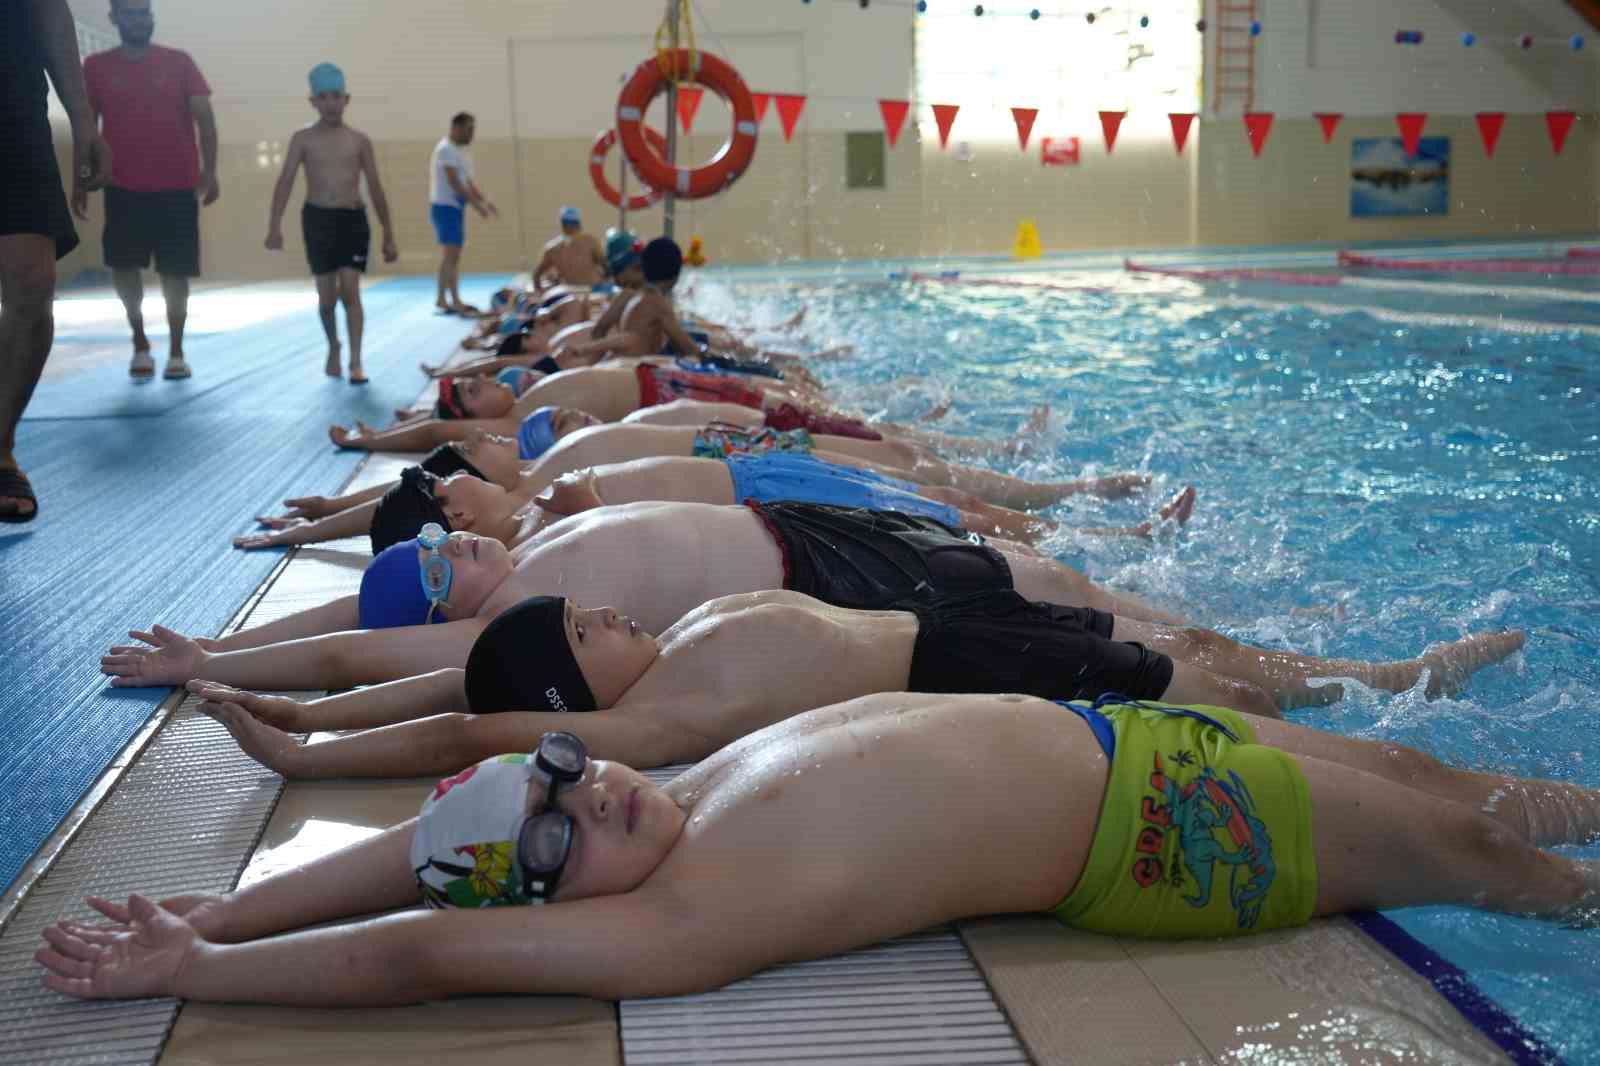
(544, 843)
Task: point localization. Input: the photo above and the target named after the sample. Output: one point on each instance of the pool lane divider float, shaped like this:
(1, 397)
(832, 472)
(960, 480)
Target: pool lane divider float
(1573, 264)
(953, 277)
(1283, 277)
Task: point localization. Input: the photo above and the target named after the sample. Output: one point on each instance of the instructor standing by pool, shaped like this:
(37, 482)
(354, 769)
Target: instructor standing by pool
(149, 100)
(450, 190)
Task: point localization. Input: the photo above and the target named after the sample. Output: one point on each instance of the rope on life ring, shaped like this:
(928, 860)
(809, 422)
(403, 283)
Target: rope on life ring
(597, 171)
(649, 80)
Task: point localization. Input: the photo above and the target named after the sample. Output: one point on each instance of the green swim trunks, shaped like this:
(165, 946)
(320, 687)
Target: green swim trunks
(719, 440)
(1203, 832)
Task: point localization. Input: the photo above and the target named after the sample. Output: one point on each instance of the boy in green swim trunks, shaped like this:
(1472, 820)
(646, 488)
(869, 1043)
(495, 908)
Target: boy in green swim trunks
(838, 828)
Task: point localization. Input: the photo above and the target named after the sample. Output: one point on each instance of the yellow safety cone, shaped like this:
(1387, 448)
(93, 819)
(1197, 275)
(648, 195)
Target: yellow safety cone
(1027, 242)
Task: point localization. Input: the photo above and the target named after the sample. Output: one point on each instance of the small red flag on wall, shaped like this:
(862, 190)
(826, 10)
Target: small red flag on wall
(1330, 122)
(688, 104)
(1060, 152)
(894, 117)
(1559, 123)
(1411, 123)
(761, 100)
(789, 108)
(1110, 123)
(945, 116)
(1023, 117)
(1489, 123)
(1181, 121)
(1258, 124)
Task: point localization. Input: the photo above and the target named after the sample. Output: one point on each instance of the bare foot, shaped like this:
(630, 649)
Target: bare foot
(1038, 420)
(344, 438)
(331, 368)
(792, 321)
(364, 429)
(1449, 665)
(1114, 486)
(1178, 509)
(938, 412)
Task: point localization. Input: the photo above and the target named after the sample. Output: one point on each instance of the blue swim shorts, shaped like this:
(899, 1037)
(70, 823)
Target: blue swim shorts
(449, 224)
(768, 477)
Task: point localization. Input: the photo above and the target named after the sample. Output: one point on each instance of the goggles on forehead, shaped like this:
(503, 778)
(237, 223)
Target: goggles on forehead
(544, 844)
(436, 573)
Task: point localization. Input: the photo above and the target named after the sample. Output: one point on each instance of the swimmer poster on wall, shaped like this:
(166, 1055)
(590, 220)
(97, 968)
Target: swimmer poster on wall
(1385, 181)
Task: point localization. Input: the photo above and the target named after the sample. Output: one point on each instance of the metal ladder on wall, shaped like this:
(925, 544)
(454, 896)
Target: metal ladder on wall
(1233, 64)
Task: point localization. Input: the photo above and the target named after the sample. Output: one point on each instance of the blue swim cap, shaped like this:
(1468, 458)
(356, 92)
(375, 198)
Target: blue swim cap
(516, 377)
(537, 433)
(570, 217)
(326, 78)
(391, 589)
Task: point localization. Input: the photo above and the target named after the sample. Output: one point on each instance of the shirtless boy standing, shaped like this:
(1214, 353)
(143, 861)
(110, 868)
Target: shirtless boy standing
(334, 219)
(574, 258)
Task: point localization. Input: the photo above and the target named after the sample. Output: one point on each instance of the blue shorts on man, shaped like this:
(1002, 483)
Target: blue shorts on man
(449, 224)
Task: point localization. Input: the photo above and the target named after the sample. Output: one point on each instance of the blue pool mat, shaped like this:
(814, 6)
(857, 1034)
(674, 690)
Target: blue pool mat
(137, 515)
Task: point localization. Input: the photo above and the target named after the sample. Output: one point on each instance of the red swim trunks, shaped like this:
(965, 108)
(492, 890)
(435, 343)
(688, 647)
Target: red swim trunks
(788, 416)
(663, 384)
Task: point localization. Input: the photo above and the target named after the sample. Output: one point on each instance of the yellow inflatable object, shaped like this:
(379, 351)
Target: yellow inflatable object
(696, 255)
(1026, 245)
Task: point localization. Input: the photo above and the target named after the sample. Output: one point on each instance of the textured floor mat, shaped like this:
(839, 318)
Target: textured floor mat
(136, 515)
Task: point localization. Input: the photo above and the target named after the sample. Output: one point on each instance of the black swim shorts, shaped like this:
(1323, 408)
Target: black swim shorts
(867, 560)
(337, 238)
(1001, 642)
(164, 225)
(32, 200)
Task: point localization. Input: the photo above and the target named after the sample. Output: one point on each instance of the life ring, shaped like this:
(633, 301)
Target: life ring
(731, 160)
(609, 192)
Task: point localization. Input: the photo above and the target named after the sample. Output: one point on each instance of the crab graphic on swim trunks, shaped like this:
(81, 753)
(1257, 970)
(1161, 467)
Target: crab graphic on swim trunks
(1215, 824)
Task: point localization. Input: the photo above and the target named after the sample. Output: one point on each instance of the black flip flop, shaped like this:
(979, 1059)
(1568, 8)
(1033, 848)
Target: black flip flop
(14, 484)
(359, 381)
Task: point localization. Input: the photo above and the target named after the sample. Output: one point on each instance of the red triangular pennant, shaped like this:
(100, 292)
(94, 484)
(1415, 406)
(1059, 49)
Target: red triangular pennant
(1110, 123)
(789, 108)
(1330, 122)
(1258, 124)
(945, 116)
(1181, 121)
(1411, 123)
(688, 104)
(894, 117)
(1023, 117)
(1489, 123)
(1559, 123)
(761, 100)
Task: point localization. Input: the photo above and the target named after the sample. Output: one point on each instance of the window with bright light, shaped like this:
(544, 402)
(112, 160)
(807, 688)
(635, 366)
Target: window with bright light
(1060, 63)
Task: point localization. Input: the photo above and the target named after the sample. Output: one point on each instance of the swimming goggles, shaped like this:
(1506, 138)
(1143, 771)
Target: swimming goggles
(435, 568)
(545, 841)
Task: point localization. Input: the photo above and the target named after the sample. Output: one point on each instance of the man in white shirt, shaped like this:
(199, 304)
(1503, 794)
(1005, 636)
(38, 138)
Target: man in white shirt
(449, 192)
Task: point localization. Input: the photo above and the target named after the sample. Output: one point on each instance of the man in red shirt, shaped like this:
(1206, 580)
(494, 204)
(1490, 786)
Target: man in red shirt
(149, 100)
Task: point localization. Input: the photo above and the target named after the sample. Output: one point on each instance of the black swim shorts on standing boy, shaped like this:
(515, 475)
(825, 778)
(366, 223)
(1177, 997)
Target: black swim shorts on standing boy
(336, 238)
(868, 560)
(1000, 642)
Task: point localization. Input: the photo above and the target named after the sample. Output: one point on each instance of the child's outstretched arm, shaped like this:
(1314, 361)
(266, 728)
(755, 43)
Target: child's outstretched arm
(292, 159)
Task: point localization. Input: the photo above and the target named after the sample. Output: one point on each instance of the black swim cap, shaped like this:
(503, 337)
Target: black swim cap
(405, 509)
(661, 260)
(447, 459)
(523, 662)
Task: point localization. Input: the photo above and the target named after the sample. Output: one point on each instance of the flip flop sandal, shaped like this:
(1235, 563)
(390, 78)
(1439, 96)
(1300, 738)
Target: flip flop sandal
(177, 370)
(359, 381)
(143, 367)
(14, 485)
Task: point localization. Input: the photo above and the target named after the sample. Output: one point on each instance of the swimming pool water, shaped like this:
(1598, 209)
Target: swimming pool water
(1367, 486)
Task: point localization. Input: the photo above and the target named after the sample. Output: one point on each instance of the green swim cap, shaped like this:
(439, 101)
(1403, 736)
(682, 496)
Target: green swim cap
(622, 249)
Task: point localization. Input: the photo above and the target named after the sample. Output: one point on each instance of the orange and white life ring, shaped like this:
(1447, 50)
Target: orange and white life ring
(609, 192)
(648, 81)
